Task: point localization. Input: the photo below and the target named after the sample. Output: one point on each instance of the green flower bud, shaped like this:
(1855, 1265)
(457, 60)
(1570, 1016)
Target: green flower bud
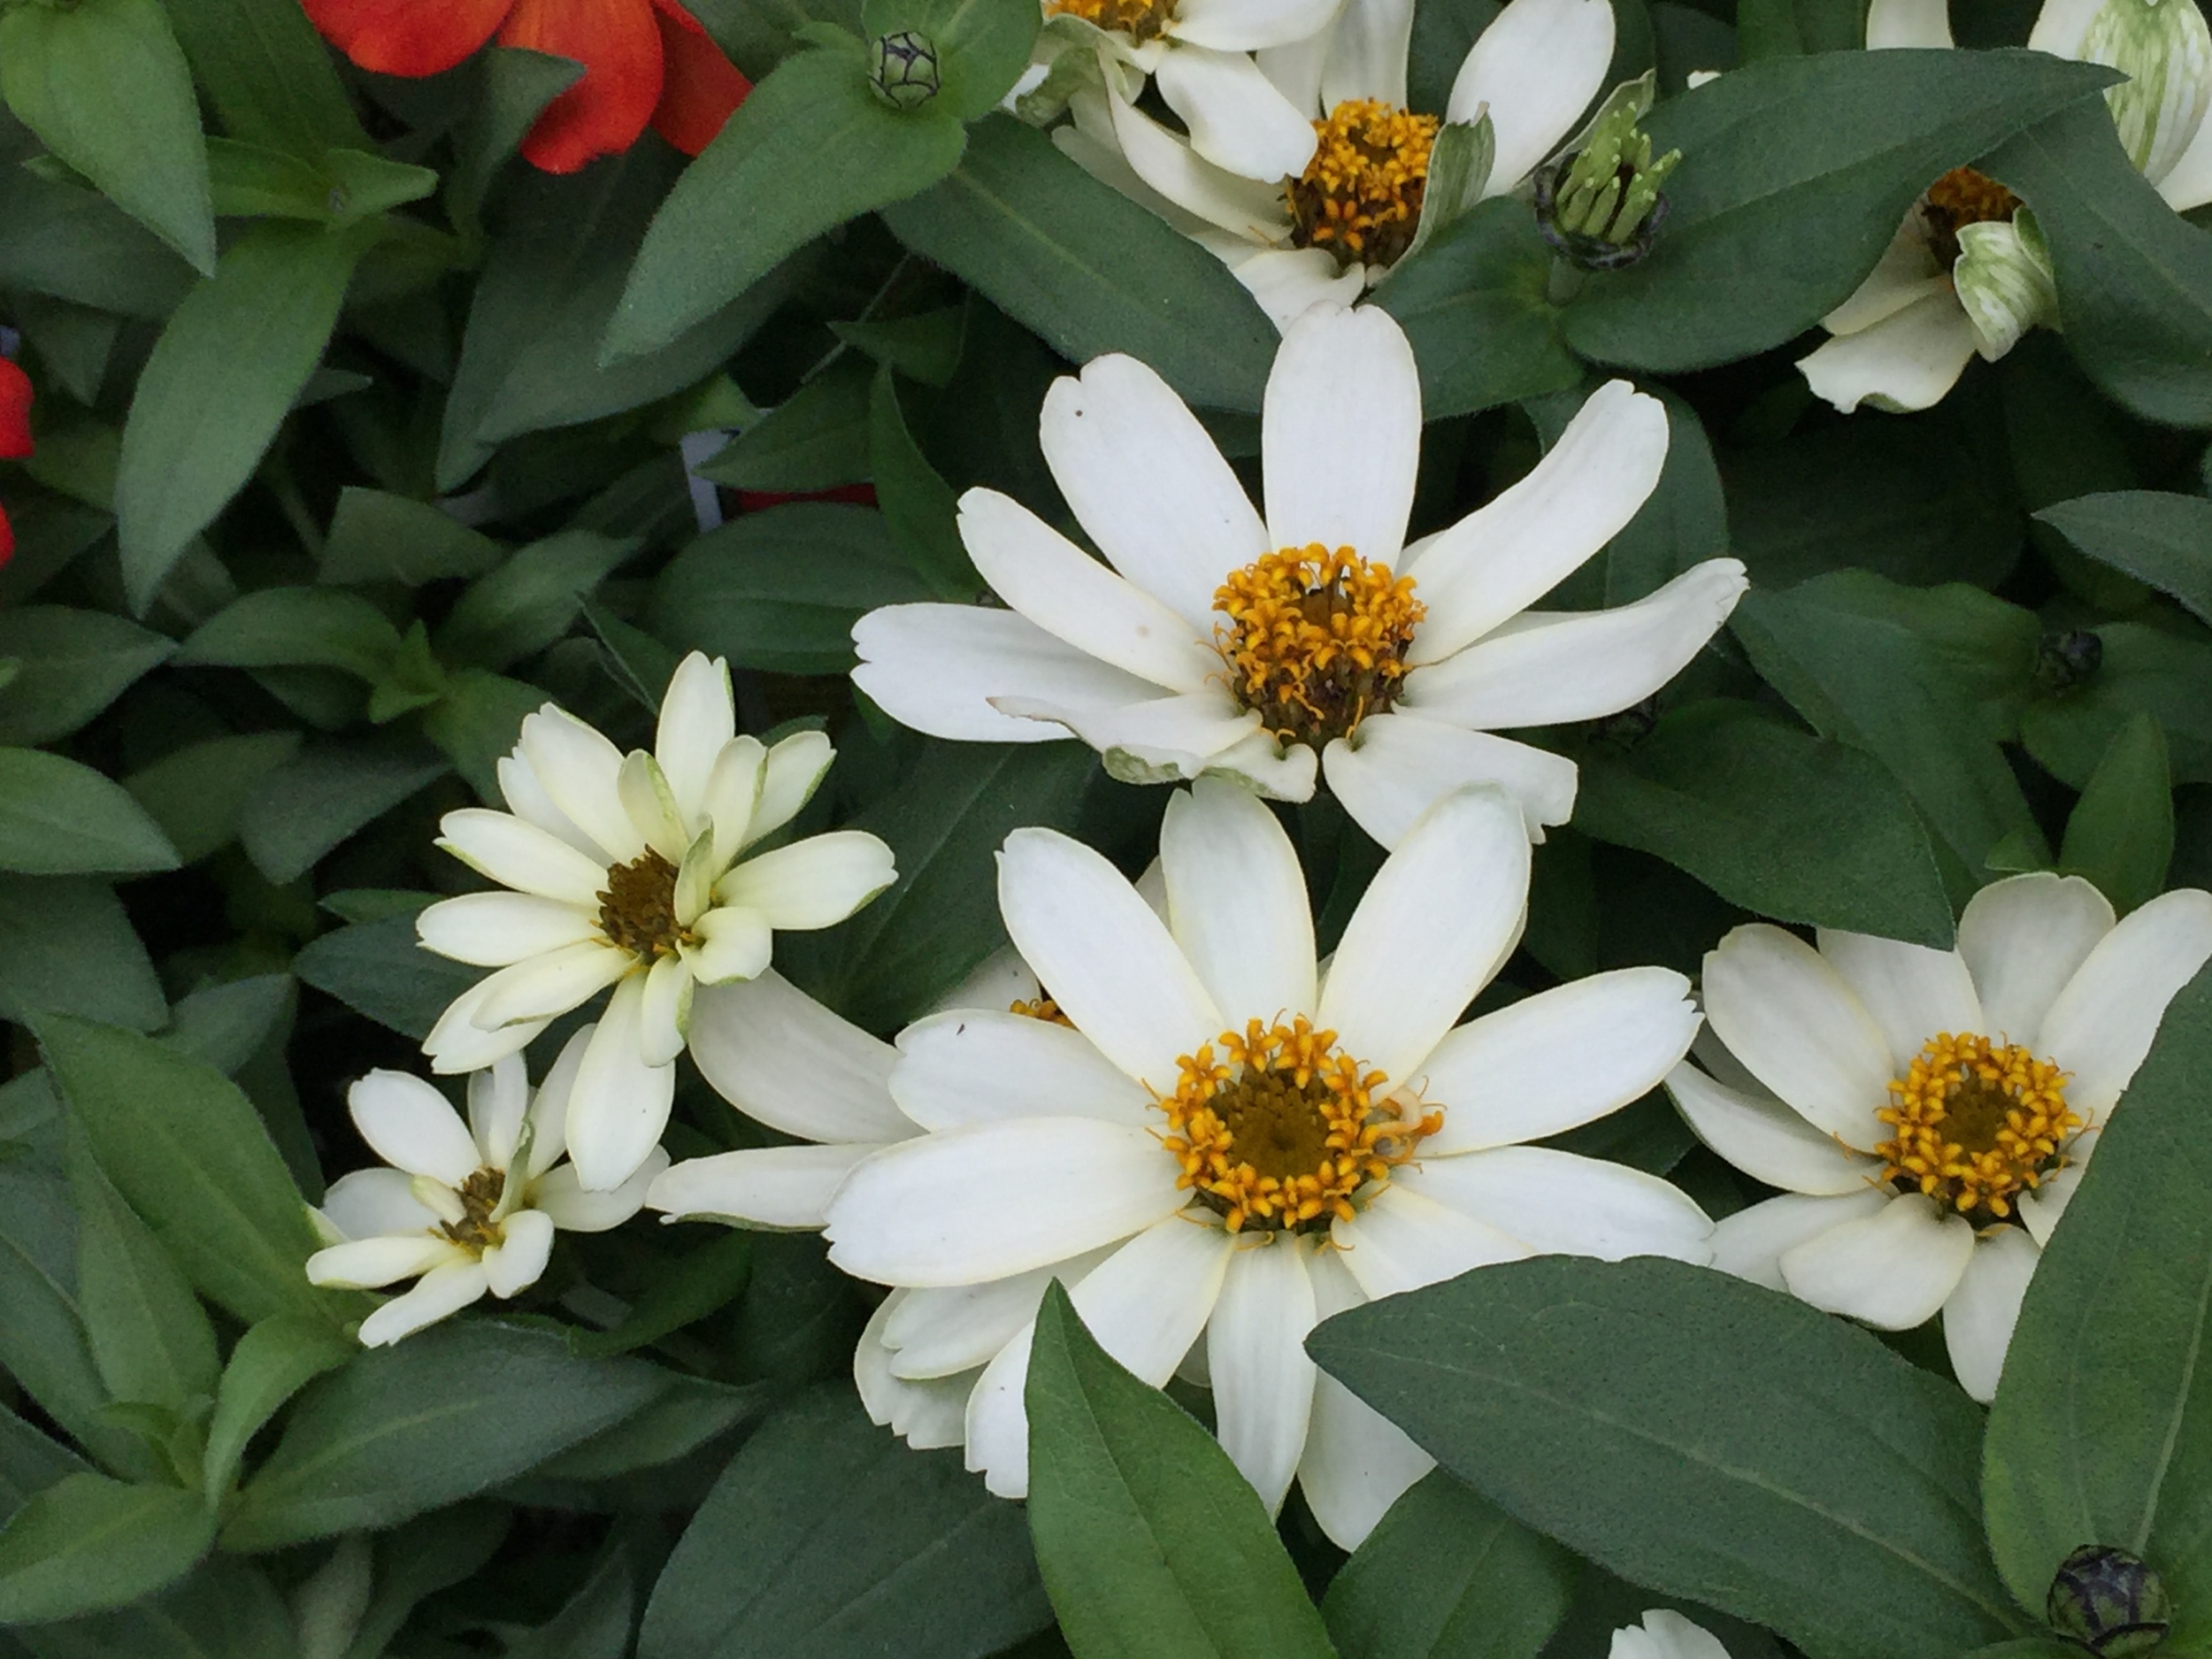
(1603, 208)
(2110, 1601)
(904, 70)
(2063, 661)
(2004, 280)
(2164, 47)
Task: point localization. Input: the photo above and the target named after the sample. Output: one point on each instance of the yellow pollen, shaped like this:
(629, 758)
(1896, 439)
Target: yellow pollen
(1976, 1123)
(1284, 1129)
(479, 1195)
(1141, 19)
(1316, 640)
(1044, 1007)
(1360, 196)
(638, 910)
(1959, 198)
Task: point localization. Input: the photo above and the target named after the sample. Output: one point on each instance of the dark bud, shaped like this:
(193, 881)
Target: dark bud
(903, 68)
(2110, 1601)
(1631, 726)
(2068, 659)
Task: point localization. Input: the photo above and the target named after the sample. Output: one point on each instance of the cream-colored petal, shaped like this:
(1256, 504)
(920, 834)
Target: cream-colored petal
(1794, 1021)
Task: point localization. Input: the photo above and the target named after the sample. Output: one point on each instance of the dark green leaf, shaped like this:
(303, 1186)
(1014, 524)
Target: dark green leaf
(30, 1461)
(816, 439)
(59, 817)
(323, 795)
(2146, 668)
(701, 1282)
(65, 946)
(594, 1624)
(917, 505)
(90, 1543)
(679, 1426)
(477, 723)
(982, 45)
(2163, 540)
(518, 84)
(296, 627)
(443, 1548)
(272, 1362)
(269, 76)
(531, 601)
(376, 969)
(378, 538)
(63, 240)
(71, 664)
(2120, 834)
(197, 793)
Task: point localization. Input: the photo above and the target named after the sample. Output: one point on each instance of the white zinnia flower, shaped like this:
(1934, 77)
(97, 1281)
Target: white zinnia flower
(1665, 1634)
(1227, 1141)
(1196, 648)
(1333, 226)
(464, 1208)
(629, 871)
(1928, 1113)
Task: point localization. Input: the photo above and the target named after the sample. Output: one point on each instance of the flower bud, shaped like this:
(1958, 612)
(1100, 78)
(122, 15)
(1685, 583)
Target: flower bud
(2004, 279)
(1603, 208)
(2068, 659)
(2164, 47)
(2110, 1601)
(903, 68)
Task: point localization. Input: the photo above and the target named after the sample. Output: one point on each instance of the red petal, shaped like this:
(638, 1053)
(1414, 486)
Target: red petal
(407, 37)
(620, 50)
(7, 538)
(702, 86)
(15, 411)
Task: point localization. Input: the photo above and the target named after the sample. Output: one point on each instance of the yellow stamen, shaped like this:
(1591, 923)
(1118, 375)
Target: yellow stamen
(1282, 1131)
(1360, 196)
(1044, 1007)
(479, 1195)
(1318, 639)
(1141, 19)
(1959, 198)
(1976, 1124)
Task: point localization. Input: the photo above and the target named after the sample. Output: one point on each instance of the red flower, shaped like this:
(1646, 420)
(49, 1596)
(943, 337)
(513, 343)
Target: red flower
(15, 434)
(644, 60)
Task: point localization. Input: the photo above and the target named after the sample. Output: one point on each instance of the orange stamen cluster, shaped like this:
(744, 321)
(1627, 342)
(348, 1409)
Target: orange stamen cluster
(1976, 1124)
(1360, 196)
(1044, 1007)
(1318, 639)
(1281, 1131)
(1141, 19)
(1959, 198)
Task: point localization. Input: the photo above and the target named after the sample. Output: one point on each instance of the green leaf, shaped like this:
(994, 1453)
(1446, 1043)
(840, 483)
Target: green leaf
(1447, 1575)
(518, 84)
(90, 1543)
(1149, 1540)
(294, 628)
(1700, 1435)
(1682, 522)
(268, 73)
(1474, 304)
(66, 947)
(2146, 668)
(63, 240)
(450, 1412)
(2101, 1432)
(781, 589)
(197, 793)
(2121, 832)
(477, 723)
(1775, 28)
(827, 1538)
(2163, 540)
(273, 1362)
(443, 1548)
(105, 84)
(220, 381)
(531, 601)
(30, 1461)
(811, 147)
(665, 1436)
(593, 1624)
(816, 439)
(378, 969)
(326, 793)
(380, 538)
(188, 1152)
(699, 1283)
(918, 506)
(983, 46)
(1772, 819)
(71, 664)
(925, 346)
(1799, 169)
(1087, 269)
(60, 817)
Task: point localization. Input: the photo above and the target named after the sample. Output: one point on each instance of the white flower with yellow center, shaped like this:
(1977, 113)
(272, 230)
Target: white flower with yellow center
(1663, 1634)
(1334, 225)
(630, 872)
(1211, 642)
(1927, 1113)
(1217, 1142)
(463, 1209)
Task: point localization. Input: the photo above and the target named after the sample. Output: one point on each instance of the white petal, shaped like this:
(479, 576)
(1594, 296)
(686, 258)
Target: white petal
(2187, 185)
(650, 805)
(581, 771)
(528, 800)
(1977, 1320)
(985, 1065)
(368, 1202)
(2041, 1207)
(1893, 23)
(790, 774)
(697, 718)
(926, 1415)
(493, 930)
(1357, 1463)
(665, 1011)
(813, 883)
(1402, 763)
(1243, 26)
(457, 1043)
(2022, 939)
(1165, 161)
(1367, 58)
(412, 1126)
(1149, 1301)
(1272, 770)
(619, 1104)
(1909, 991)
(547, 985)
(761, 1186)
(1559, 1203)
(442, 1291)
(1103, 956)
(1906, 362)
(1765, 1139)
(1751, 1243)
(1402, 1240)
(1439, 917)
(1536, 68)
(997, 1424)
(1557, 1059)
(1340, 434)
(737, 945)
(1287, 282)
(1665, 1634)
(1892, 1269)
(1070, 594)
(1295, 68)
(371, 1263)
(1161, 739)
(498, 1103)
(561, 1197)
(784, 1060)
(1789, 1017)
(1236, 116)
(516, 1263)
(1502, 558)
(1547, 668)
(997, 983)
(2061, 26)
(549, 1107)
(1263, 1381)
(1237, 901)
(970, 1204)
(2101, 1024)
(731, 795)
(936, 667)
(519, 855)
(944, 1333)
(1906, 272)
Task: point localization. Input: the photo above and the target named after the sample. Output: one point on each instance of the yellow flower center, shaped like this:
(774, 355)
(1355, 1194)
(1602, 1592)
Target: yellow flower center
(1316, 640)
(1044, 1007)
(1976, 1124)
(1141, 19)
(1284, 1130)
(1360, 196)
(479, 1195)
(1959, 198)
(638, 909)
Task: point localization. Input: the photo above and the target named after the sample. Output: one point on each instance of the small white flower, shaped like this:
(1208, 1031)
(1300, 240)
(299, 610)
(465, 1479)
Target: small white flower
(629, 871)
(1928, 1113)
(464, 1208)
(1162, 1143)
(1665, 1634)
(1194, 650)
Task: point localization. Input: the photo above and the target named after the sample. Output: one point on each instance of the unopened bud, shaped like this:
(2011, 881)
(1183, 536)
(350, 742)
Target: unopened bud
(2164, 47)
(2110, 1601)
(2004, 280)
(2068, 659)
(904, 70)
(1603, 207)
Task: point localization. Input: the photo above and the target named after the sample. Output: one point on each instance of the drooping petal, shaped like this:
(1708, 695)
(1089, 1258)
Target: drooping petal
(442, 1291)
(985, 1065)
(1790, 1017)
(1176, 736)
(1237, 903)
(1236, 118)
(1535, 70)
(737, 945)
(370, 1201)
(498, 1104)
(1909, 991)
(700, 87)
(497, 930)
(457, 1044)
(549, 1107)
(1164, 161)
(936, 668)
(619, 45)
(666, 1011)
(2061, 26)
(1560, 1204)
(926, 1414)
(1435, 923)
(519, 855)
(760, 1186)
(1263, 1382)
(813, 883)
(2187, 185)
(697, 718)
(1404, 1239)
(1339, 446)
(1551, 1061)
(784, 1060)
(581, 773)
(619, 1104)
(1891, 23)
(943, 1332)
(1287, 282)
(997, 1422)
(2022, 939)
(1357, 1463)
(1905, 272)
(1765, 1139)
(1751, 1243)
(1892, 1269)
(2101, 1024)
(1402, 763)
(373, 1262)
(517, 1261)
(545, 987)
(1244, 25)
(1664, 1633)
(1905, 363)
(561, 1196)
(406, 37)
(412, 1126)
(1271, 769)
(1977, 1320)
